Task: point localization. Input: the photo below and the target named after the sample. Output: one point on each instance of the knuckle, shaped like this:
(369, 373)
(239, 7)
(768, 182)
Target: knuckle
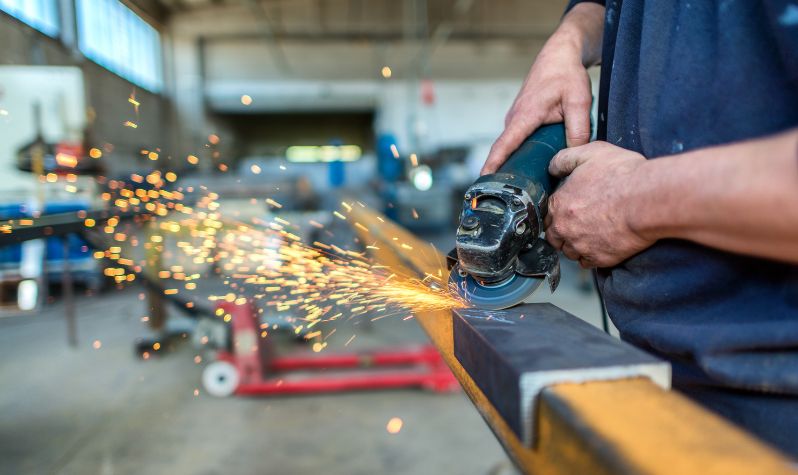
(554, 167)
(557, 230)
(570, 210)
(495, 150)
(553, 205)
(580, 133)
(580, 247)
(511, 115)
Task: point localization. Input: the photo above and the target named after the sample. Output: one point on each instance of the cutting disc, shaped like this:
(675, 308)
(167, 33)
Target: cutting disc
(511, 291)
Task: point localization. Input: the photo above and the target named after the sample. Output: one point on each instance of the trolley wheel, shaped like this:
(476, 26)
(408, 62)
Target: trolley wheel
(220, 379)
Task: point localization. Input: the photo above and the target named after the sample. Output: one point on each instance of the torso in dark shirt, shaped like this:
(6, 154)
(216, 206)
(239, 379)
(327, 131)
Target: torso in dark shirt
(676, 76)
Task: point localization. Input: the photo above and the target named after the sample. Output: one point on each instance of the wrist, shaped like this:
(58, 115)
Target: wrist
(648, 200)
(565, 42)
(581, 32)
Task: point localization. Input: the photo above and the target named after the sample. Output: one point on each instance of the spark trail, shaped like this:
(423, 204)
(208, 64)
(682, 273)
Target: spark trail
(324, 282)
(313, 282)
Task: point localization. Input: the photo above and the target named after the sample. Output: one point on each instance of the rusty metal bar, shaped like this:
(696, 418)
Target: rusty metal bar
(629, 425)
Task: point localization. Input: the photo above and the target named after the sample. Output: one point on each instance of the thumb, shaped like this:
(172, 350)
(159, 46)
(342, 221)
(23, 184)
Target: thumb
(566, 161)
(577, 121)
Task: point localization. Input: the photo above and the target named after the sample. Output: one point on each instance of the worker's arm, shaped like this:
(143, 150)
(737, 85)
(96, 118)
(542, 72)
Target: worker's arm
(557, 87)
(741, 197)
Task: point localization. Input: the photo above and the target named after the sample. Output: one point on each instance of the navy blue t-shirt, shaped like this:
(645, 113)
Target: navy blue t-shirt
(677, 76)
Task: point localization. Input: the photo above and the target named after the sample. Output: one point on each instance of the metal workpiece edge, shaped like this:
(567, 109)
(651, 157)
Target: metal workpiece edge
(513, 355)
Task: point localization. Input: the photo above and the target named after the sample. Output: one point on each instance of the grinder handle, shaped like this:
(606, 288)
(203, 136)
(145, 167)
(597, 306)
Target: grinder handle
(532, 158)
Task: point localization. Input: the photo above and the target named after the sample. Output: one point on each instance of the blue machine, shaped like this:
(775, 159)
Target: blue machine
(391, 171)
(83, 267)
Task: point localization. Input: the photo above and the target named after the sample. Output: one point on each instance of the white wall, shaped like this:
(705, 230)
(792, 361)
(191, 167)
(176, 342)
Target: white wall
(462, 111)
(227, 52)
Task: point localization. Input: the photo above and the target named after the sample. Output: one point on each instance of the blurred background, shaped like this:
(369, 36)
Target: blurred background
(278, 110)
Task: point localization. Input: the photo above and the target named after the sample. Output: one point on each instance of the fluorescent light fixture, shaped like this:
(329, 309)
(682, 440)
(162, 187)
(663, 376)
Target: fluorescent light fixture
(323, 153)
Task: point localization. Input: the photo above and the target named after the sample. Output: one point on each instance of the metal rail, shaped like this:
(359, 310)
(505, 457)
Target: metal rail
(62, 225)
(19, 230)
(15, 231)
(628, 425)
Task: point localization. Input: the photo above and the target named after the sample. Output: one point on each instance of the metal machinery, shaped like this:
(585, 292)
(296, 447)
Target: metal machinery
(500, 257)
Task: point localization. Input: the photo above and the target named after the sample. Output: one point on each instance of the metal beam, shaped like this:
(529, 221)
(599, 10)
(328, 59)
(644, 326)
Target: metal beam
(19, 230)
(271, 34)
(375, 36)
(442, 33)
(628, 425)
(16, 231)
(514, 354)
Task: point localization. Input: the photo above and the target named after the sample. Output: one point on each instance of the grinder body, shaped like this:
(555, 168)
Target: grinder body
(500, 256)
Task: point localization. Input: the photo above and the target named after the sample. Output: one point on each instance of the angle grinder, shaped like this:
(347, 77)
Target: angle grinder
(500, 254)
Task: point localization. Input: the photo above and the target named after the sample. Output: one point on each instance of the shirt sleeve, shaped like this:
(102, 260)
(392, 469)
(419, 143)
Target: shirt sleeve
(783, 15)
(573, 3)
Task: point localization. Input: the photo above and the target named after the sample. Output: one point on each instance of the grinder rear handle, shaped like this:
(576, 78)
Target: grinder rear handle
(532, 158)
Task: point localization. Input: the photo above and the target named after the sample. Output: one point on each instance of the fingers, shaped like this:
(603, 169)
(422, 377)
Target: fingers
(508, 142)
(554, 238)
(577, 121)
(558, 243)
(566, 161)
(586, 263)
(576, 113)
(570, 252)
(557, 240)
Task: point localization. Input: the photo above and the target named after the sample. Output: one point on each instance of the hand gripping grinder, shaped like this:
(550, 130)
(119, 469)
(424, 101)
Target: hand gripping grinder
(500, 254)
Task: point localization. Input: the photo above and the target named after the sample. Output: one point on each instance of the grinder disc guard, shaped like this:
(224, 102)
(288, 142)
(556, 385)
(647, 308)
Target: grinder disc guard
(505, 294)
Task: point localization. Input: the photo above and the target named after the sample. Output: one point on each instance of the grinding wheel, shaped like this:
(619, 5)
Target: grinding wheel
(505, 294)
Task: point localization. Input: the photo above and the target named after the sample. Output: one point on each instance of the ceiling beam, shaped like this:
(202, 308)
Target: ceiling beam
(386, 36)
(270, 34)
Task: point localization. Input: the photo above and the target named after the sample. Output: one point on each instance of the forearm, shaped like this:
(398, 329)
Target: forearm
(741, 197)
(582, 29)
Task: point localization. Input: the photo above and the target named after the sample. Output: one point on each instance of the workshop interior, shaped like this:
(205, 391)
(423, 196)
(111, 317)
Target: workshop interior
(251, 236)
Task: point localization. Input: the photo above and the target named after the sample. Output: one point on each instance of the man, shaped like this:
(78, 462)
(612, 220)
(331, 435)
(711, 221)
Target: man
(688, 201)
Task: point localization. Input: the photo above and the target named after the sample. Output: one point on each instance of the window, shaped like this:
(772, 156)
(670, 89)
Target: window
(40, 14)
(114, 37)
(323, 153)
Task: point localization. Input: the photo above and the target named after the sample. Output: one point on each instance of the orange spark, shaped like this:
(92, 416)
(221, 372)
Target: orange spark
(394, 425)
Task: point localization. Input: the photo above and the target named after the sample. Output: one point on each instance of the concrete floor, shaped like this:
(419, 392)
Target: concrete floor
(104, 411)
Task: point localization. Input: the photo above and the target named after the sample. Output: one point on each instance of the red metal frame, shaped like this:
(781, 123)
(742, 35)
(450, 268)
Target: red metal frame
(417, 366)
